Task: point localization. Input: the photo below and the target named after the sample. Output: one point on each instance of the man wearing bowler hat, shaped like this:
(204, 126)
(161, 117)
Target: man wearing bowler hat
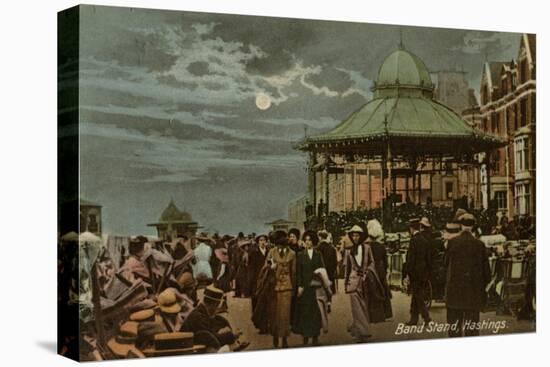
(468, 274)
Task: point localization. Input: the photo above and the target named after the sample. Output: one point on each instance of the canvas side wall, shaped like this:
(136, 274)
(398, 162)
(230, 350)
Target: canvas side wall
(67, 180)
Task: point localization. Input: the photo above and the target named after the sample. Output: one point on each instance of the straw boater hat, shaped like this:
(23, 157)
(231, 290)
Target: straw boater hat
(186, 280)
(425, 222)
(452, 227)
(414, 221)
(458, 214)
(175, 343)
(167, 302)
(143, 305)
(356, 229)
(467, 220)
(123, 345)
(129, 329)
(212, 293)
(143, 315)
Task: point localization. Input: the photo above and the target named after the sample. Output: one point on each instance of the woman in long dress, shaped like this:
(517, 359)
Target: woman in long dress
(379, 309)
(358, 262)
(283, 261)
(307, 315)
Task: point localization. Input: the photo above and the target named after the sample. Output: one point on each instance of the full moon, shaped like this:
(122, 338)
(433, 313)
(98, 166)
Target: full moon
(263, 101)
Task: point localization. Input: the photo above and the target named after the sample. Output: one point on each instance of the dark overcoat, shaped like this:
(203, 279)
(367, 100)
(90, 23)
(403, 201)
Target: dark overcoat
(419, 258)
(328, 252)
(207, 329)
(307, 316)
(381, 265)
(468, 273)
(256, 263)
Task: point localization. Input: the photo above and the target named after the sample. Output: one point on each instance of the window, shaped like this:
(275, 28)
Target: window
(93, 224)
(524, 71)
(523, 111)
(501, 199)
(522, 199)
(449, 190)
(521, 162)
(494, 123)
(533, 109)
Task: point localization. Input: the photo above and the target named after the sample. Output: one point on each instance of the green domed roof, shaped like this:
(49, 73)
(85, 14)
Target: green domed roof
(402, 68)
(403, 112)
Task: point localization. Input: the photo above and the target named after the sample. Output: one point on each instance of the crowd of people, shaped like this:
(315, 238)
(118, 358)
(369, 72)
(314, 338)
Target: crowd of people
(290, 278)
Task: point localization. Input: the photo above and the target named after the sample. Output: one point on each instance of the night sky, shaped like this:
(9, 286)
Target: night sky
(204, 108)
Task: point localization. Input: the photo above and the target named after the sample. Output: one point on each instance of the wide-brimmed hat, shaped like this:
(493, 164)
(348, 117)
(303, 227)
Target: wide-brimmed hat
(129, 329)
(467, 220)
(413, 221)
(168, 302)
(174, 343)
(356, 229)
(205, 239)
(243, 243)
(375, 230)
(213, 294)
(186, 280)
(123, 345)
(280, 237)
(123, 348)
(459, 212)
(424, 221)
(145, 304)
(173, 340)
(452, 227)
(143, 315)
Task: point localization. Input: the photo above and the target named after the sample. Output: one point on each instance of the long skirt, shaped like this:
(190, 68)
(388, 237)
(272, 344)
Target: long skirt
(307, 316)
(280, 327)
(360, 315)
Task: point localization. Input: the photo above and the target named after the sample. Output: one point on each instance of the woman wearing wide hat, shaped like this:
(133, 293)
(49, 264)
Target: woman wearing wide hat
(379, 309)
(359, 267)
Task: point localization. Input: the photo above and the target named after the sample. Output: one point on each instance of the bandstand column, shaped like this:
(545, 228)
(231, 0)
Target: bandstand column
(488, 173)
(327, 191)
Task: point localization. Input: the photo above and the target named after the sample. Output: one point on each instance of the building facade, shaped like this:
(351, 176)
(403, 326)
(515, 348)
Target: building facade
(507, 108)
(90, 217)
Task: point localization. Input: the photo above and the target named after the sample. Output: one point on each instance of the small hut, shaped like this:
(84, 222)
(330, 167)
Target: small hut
(175, 223)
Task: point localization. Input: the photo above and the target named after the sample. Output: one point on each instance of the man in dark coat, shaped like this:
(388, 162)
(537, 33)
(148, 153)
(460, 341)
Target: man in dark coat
(418, 270)
(328, 252)
(467, 276)
(209, 327)
(242, 269)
